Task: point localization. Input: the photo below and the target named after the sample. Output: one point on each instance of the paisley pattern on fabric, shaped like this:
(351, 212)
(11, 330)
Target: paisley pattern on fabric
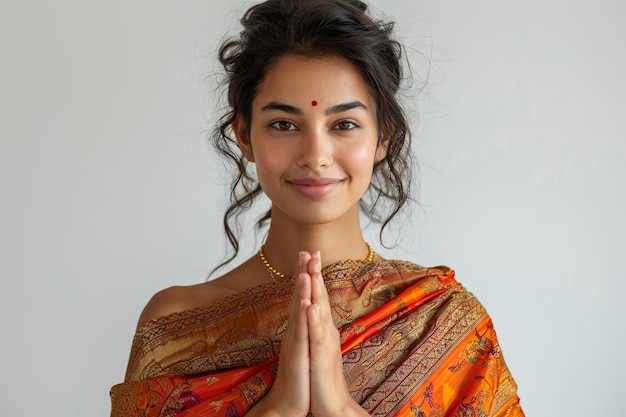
(414, 343)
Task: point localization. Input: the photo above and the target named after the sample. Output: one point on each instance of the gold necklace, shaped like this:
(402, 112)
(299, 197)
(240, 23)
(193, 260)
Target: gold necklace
(276, 273)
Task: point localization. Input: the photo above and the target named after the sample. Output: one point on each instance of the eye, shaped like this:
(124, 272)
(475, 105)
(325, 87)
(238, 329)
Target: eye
(346, 125)
(283, 125)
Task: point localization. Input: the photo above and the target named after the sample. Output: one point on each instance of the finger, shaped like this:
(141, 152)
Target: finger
(304, 278)
(322, 333)
(301, 300)
(299, 291)
(319, 294)
(315, 330)
(321, 326)
(315, 263)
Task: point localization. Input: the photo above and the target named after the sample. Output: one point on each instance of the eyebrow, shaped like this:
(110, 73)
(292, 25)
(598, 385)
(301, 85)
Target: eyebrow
(339, 108)
(282, 107)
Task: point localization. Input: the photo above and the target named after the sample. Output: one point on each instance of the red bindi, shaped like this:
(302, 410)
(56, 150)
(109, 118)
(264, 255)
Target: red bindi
(314, 103)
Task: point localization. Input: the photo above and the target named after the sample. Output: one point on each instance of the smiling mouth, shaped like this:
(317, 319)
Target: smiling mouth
(314, 187)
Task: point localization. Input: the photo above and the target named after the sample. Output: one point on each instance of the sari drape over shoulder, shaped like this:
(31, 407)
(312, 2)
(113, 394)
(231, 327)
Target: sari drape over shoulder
(414, 343)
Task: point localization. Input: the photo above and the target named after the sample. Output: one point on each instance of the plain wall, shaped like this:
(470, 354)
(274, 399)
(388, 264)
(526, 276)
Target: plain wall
(110, 191)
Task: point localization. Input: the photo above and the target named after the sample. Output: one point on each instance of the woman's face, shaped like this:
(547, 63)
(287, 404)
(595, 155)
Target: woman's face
(313, 138)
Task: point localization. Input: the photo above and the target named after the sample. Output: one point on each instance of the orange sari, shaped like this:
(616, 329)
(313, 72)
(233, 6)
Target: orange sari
(414, 343)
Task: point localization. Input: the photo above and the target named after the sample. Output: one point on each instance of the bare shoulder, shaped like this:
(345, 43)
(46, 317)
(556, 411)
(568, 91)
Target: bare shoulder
(181, 298)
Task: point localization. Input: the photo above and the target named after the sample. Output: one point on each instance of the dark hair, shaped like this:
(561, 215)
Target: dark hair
(313, 28)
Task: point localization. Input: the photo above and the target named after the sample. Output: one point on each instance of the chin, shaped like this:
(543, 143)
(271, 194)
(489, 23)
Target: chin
(320, 215)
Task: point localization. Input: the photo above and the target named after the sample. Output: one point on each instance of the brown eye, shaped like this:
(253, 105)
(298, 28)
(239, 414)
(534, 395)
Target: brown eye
(283, 125)
(346, 125)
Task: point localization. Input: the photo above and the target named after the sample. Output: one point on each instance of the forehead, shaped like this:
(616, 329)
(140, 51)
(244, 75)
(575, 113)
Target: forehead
(327, 80)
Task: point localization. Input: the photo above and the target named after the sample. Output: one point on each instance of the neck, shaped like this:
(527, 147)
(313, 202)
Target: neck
(336, 241)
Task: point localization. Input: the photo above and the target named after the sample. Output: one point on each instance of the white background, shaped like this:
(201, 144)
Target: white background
(110, 191)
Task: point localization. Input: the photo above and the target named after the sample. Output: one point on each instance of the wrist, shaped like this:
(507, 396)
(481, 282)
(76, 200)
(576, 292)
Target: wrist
(349, 409)
(272, 405)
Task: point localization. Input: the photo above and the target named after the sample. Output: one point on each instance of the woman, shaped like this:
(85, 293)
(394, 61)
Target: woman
(313, 110)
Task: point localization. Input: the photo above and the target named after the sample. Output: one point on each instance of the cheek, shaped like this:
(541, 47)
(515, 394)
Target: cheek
(360, 158)
(269, 160)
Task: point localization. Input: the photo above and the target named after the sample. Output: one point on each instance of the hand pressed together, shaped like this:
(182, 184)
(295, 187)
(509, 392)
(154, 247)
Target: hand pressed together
(310, 371)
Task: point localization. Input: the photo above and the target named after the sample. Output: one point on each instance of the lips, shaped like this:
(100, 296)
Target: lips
(314, 187)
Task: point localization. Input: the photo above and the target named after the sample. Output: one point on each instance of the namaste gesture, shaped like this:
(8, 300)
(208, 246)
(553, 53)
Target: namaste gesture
(310, 371)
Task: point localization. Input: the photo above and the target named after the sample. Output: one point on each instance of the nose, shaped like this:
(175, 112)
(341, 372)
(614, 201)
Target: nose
(315, 150)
